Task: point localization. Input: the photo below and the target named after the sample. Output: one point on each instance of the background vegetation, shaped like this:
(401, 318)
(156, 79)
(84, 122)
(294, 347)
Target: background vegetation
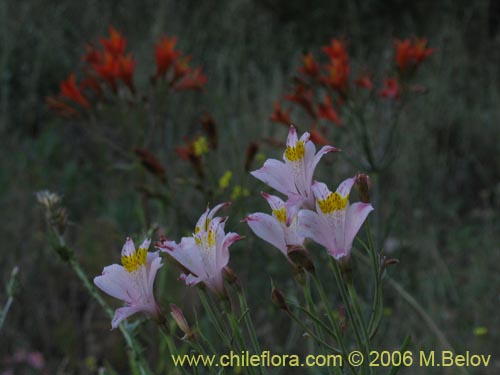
(444, 184)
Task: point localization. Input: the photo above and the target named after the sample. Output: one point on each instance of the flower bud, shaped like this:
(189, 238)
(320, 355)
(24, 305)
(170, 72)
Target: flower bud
(56, 215)
(363, 186)
(181, 321)
(231, 277)
(390, 262)
(279, 300)
(299, 256)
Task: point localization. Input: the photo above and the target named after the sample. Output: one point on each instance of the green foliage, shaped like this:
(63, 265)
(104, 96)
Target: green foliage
(444, 182)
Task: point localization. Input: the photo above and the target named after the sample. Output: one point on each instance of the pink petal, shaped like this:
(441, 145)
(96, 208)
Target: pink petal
(274, 202)
(188, 254)
(355, 217)
(313, 226)
(324, 150)
(190, 279)
(128, 248)
(223, 250)
(116, 282)
(145, 244)
(292, 139)
(267, 228)
(305, 137)
(320, 190)
(123, 313)
(153, 268)
(217, 208)
(345, 186)
(293, 204)
(275, 174)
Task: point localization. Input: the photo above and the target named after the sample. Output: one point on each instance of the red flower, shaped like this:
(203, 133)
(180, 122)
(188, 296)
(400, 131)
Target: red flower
(326, 111)
(420, 52)
(194, 80)
(336, 51)
(364, 82)
(404, 53)
(303, 97)
(391, 89)
(310, 66)
(70, 90)
(165, 55)
(115, 45)
(280, 116)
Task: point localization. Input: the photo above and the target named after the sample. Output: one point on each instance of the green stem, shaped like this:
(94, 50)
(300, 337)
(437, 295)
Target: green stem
(312, 334)
(250, 327)
(312, 307)
(214, 320)
(5, 311)
(354, 318)
(332, 320)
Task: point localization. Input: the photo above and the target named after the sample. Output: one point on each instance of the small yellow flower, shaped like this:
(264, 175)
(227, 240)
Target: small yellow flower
(238, 192)
(225, 180)
(480, 331)
(200, 146)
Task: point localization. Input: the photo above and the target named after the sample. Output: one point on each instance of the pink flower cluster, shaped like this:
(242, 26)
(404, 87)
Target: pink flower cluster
(311, 210)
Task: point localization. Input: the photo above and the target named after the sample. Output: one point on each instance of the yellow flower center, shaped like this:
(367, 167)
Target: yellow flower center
(332, 203)
(200, 146)
(280, 214)
(207, 240)
(135, 261)
(295, 153)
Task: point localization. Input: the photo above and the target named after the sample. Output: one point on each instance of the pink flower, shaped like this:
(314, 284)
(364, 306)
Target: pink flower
(206, 253)
(273, 228)
(133, 282)
(335, 223)
(294, 177)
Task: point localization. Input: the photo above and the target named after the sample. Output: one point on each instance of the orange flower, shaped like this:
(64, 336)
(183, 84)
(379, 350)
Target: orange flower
(181, 68)
(310, 66)
(280, 116)
(192, 81)
(70, 90)
(404, 53)
(108, 69)
(303, 97)
(391, 89)
(337, 51)
(364, 82)
(92, 56)
(408, 52)
(317, 137)
(326, 111)
(337, 75)
(116, 43)
(165, 55)
(420, 52)
(126, 70)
